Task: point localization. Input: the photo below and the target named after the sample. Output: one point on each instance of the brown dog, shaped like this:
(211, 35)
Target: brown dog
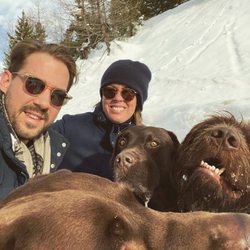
(101, 214)
(213, 167)
(142, 159)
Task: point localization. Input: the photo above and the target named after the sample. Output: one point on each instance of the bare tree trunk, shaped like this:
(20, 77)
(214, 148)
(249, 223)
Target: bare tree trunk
(103, 25)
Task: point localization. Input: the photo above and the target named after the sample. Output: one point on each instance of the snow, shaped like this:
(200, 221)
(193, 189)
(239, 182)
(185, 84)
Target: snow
(199, 55)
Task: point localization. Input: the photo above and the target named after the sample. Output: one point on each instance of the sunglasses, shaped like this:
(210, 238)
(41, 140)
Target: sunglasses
(35, 86)
(110, 92)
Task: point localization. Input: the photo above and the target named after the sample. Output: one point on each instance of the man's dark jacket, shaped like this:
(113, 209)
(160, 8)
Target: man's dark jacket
(91, 137)
(13, 172)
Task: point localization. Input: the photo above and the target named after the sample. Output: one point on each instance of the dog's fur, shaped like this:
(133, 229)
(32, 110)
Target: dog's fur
(223, 142)
(142, 159)
(94, 213)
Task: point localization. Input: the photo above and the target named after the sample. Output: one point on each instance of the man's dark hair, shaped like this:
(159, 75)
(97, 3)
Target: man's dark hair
(25, 48)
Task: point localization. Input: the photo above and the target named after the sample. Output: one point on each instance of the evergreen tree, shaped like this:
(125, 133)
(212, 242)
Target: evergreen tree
(124, 16)
(87, 28)
(95, 21)
(39, 32)
(151, 8)
(24, 30)
(78, 31)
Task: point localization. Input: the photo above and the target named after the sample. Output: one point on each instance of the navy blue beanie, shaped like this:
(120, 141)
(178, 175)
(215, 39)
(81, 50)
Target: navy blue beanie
(134, 74)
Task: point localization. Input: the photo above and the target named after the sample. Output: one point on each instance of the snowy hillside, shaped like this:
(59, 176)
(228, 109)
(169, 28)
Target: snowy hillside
(199, 54)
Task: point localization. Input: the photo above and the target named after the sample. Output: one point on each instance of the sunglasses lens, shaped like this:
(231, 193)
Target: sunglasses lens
(108, 92)
(128, 94)
(58, 97)
(34, 85)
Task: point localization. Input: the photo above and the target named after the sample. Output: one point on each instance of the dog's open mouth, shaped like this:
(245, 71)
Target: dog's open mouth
(214, 169)
(214, 165)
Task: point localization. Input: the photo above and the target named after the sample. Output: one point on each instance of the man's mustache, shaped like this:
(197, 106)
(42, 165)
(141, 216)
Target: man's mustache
(36, 109)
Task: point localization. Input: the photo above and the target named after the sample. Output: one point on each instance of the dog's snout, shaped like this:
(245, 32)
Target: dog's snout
(226, 136)
(125, 158)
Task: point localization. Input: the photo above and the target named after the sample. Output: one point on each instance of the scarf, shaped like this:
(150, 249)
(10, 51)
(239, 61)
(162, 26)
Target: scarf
(36, 154)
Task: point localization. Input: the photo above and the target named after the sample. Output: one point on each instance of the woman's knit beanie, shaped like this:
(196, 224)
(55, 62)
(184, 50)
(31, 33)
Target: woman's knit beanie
(134, 74)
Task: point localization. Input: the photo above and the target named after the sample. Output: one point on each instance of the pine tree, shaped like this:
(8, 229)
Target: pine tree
(124, 17)
(78, 30)
(24, 30)
(95, 21)
(150, 8)
(39, 32)
(87, 28)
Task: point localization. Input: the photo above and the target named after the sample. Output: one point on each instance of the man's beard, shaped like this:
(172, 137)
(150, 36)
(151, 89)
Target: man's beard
(30, 134)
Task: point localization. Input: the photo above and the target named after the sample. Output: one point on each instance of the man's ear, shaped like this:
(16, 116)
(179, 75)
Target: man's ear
(5, 79)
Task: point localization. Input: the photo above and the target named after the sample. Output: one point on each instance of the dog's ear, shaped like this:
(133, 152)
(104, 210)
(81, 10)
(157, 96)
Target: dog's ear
(174, 139)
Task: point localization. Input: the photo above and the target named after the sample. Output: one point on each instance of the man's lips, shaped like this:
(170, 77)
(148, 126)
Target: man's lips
(34, 116)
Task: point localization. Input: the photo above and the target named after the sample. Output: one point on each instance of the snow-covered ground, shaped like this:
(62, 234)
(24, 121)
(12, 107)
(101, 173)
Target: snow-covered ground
(199, 55)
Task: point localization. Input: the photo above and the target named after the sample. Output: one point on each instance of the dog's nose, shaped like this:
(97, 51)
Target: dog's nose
(226, 136)
(125, 159)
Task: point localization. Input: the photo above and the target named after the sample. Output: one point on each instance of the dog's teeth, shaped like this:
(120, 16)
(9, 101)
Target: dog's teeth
(211, 168)
(206, 165)
(217, 171)
(221, 171)
(184, 177)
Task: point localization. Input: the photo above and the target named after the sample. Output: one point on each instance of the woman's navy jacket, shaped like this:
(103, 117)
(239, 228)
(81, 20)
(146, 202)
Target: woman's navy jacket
(91, 137)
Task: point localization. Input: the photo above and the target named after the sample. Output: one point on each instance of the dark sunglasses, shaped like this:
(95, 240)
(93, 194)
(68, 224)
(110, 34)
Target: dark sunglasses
(36, 86)
(110, 92)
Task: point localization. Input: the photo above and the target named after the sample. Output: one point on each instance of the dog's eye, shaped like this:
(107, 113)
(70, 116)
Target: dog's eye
(154, 144)
(122, 142)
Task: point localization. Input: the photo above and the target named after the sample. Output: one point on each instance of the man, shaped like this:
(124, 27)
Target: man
(32, 91)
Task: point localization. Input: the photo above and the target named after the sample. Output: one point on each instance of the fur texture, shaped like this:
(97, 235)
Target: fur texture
(94, 213)
(142, 159)
(213, 166)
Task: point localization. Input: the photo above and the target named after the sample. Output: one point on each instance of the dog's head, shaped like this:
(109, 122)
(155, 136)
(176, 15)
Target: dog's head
(69, 219)
(97, 213)
(213, 165)
(142, 156)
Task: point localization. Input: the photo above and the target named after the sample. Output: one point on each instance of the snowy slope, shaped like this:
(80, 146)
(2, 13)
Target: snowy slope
(199, 54)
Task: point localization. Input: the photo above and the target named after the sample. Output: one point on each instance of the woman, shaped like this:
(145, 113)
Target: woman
(124, 88)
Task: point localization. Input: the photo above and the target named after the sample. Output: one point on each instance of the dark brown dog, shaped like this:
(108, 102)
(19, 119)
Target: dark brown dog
(213, 166)
(106, 215)
(66, 180)
(142, 159)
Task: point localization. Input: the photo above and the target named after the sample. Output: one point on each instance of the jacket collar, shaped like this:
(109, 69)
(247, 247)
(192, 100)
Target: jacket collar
(101, 119)
(5, 117)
